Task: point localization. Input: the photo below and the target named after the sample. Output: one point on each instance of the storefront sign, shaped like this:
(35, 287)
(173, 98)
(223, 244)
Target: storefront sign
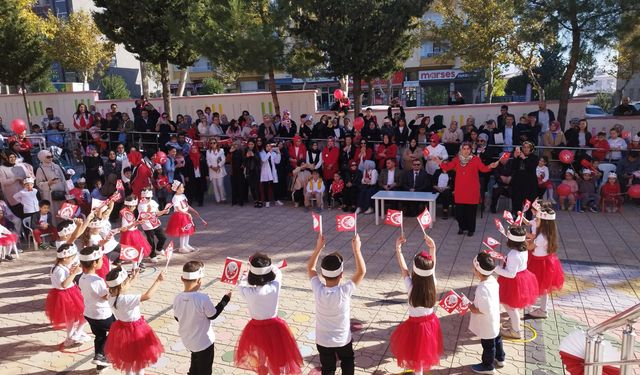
(438, 75)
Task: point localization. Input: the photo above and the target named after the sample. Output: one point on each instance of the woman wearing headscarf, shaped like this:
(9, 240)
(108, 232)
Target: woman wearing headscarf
(11, 176)
(195, 173)
(235, 158)
(386, 150)
(252, 166)
(51, 182)
(330, 165)
(141, 175)
(112, 165)
(466, 190)
(314, 156)
(411, 153)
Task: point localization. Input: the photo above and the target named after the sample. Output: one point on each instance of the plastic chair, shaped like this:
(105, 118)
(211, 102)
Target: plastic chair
(26, 224)
(606, 168)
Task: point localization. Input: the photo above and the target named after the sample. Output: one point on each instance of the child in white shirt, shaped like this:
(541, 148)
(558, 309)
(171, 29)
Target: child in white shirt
(617, 145)
(28, 197)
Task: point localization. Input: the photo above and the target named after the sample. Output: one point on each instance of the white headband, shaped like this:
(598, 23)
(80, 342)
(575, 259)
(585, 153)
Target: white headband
(131, 203)
(195, 275)
(28, 180)
(69, 229)
(259, 271)
(546, 215)
(146, 193)
(97, 254)
(421, 272)
(96, 224)
(515, 238)
(70, 251)
(332, 273)
(175, 185)
(122, 276)
(482, 271)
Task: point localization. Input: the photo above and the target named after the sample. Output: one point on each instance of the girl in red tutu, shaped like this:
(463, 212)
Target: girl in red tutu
(266, 345)
(132, 345)
(130, 236)
(417, 342)
(518, 286)
(543, 261)
(181, 222)
(64, 306)
(7, 242)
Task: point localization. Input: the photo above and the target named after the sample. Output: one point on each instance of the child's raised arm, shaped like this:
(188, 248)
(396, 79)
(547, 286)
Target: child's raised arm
(400, 258)
(313, 261)
(361, 268)
(432, 248)
(147, 295)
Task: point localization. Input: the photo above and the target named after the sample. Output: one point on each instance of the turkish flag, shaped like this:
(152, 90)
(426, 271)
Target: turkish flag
(346, 223)
(282, 264)
(393, 218)
(494, 254)
(505, 156)
(491, 243)
(425, 153)
(508, 217)
(526, 205)
(424, 219)
(519, 218)
(119, 185)
(450, 301)
(500, 227)
(129, 253)
(463, 306)
(67, 211)
(231, 271)
(317, 222)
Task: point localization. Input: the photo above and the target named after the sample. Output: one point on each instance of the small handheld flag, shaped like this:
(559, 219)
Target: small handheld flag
(346, 223)
(494, 254)
(129, 253)
(526, 205)
(491, 243)
(395, 218)
(500, 227)
(450, 301)
(317, 222)
(119, 185)
(231, 271)
(168, 253)
(424, 219)
(506, 215)
(67, 211)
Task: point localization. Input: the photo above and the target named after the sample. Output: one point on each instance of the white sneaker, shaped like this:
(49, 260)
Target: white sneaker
(191, 248)
(358, 210)
(510, 333)
(539, 313)
(278, 203)
(368, 211)
(154, 260)
(183, 250)
(81, 337)
(498, 364)
(267, 204)
(69, 341)
(296, 204)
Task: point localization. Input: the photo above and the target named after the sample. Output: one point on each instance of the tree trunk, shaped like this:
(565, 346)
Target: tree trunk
(166, 88)
(344, 84)
(182, 83)
(144, 77)
(357, 95)
(389, 91)
(490, 83)
(574, 56)
(26, 106)
(274, 92)
(372, 93)
(85, 82)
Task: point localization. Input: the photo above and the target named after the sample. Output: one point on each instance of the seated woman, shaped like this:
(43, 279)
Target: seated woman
(368, 187)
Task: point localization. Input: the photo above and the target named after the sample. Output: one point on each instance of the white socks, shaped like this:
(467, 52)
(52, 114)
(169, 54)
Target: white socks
(514, 317)
(544, 301)
(183, 241)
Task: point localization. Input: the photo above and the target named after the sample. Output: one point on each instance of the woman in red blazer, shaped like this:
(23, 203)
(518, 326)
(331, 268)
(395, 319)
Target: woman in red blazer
(386, 150)
(466, 191)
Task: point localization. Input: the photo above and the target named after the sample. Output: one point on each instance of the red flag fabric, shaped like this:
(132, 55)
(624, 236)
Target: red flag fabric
(425, 153)
(519, 218)
(393, 218)
(67, 211)
(346, 223)
(119, 185)
(463, 306)
(425, 219)
(317, 222)
(508, 217)
(282, 264)
(450, 301)
(500, 227)
(129, 253)
(491, 243)
(505, 156)
(526, 205)
(231, 271)
(494, 254)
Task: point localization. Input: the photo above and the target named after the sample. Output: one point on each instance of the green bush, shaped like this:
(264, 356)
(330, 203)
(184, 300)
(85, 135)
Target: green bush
(211, 86)
(114, 87)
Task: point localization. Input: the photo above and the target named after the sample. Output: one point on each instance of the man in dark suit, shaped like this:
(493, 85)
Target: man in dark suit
(416, 179)
(544, 116)
(502, 118)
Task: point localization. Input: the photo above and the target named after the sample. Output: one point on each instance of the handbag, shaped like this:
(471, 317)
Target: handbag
(56, 195)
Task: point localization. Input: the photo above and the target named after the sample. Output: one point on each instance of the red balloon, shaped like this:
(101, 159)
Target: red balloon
(634, 191)
(358, 123)
(566, 156)
(626, 134)
(425, 152)
(18, 125)
(160, 157)
(563, 190)
(338, 94)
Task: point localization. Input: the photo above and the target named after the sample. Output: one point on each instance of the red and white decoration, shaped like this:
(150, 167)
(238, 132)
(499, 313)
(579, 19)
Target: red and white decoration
(500, 227)
(491, 243)
(393, 218)
(67, 211)
(572, 353)
(317, 222)
(129, 253)
(346, 223)
(506, 215)
(424, 219)
(231, 271)
(119, 185)
(494, 254)
(453, 301)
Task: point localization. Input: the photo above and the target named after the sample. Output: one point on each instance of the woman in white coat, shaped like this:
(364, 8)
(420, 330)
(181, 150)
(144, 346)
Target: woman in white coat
(270, 156)
(215, 161)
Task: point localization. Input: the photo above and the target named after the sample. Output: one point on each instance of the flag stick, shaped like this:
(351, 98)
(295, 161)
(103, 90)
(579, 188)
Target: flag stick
(321, 225)
(356, 224)
(402, 224)
(421, 227)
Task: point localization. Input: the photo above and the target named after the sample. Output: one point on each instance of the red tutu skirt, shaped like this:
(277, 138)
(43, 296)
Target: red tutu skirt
(548, 271)
(104, 270)
(417, 343)
(519, 292)
(64, 307)
(575, 365)
(180, 224)
(132, 346)
(268, 347)
(8, 239)
(135, 239)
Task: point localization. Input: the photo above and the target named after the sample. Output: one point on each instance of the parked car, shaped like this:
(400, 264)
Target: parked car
(595, 111)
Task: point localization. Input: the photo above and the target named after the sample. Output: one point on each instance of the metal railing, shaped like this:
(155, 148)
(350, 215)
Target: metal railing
(594, 348)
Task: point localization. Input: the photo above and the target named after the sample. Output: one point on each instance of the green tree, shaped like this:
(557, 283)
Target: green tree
(252, 36)
(211, 86)
(114, 87)
(626, 56)
(79, 46)
(42, 84)
(23, 37)
(361, 38)
(477, 34)
(158, 31)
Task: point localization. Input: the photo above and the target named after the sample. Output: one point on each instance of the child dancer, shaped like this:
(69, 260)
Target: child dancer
(130, 235)
(485, 315)
(333, 306)
(69, 231)
(97, 311)
(106, 244)
(417, 342)
(266, 345)
(543, 261)
(132, 344)
(64, 306)
(518, 286)
(152, 228)
(181, 222)
(8, 242)
(194, 312)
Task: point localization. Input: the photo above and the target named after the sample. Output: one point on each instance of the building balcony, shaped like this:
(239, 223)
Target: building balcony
(432, 60)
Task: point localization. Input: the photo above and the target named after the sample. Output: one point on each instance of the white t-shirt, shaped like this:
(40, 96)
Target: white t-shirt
(58, 275)
(193, 310)
(486, 325)
(262, 301)
(516, 262)
(152, 207)
(180, 203)
(333, 313)
(544, 172)
(93, 290)
(415, 311)
(127, 218)
(28, 199)
(43, 219)
(108, 246)
(128, 307)
(541, 246)
(617, 143)
(390, 176)
(440, 151)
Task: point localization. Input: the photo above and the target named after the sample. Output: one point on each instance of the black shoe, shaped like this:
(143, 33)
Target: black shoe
(101, 361)
(470, 234)
(460, 231)
(8, 257)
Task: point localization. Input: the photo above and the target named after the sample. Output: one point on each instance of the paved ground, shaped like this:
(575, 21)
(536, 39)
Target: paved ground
(600, 254)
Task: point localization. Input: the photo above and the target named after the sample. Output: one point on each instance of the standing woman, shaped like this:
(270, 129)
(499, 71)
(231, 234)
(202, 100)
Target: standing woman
(94, 166)
(215, 163)
(195, 173)
(330, 164)
(11, 176)
(50, 180)
(524, 181)
(252, 166)
(282, 167)
(82, 119)
(269, 157)
(238, 181)
(466, 190)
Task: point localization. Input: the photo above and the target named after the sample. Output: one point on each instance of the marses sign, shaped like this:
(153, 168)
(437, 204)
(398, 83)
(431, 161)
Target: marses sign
(436, 75)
